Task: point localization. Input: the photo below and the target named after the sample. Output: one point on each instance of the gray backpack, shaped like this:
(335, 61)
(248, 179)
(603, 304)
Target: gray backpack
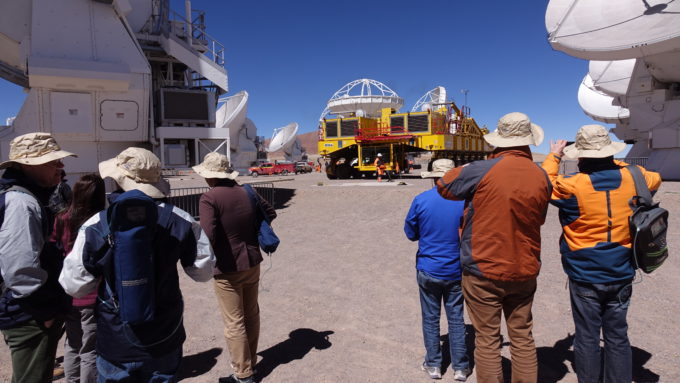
(648, 226)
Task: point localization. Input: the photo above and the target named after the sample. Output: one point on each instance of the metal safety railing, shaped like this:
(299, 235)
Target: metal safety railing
(187, 198)
(214, 50)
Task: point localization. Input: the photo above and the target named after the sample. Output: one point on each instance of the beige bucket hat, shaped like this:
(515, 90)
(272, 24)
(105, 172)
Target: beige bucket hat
(439, 168)
(515, 129)
(215, 165)
(136, 168)
(593, 141)
(34, 149)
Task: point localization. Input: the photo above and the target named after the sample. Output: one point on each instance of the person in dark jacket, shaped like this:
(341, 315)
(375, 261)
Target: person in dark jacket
(506, 203)
(596, 249)
(32, 304)
(150, 351)
(434, 221)
(229, 219)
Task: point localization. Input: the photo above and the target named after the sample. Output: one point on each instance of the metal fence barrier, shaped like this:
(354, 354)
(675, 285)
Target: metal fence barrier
(571, 166)
(187, 198)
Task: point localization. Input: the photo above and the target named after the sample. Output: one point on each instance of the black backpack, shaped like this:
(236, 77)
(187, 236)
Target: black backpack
(648, 226)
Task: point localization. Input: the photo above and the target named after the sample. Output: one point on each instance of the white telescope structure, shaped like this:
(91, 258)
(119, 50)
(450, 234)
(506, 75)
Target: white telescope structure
(104, 75)
(635, 48)
(363, 98)
(285, 139)
(430, 100)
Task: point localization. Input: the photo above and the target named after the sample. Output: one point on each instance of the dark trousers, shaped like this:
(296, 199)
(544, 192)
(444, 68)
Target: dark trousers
(602, 307)
(33, 348)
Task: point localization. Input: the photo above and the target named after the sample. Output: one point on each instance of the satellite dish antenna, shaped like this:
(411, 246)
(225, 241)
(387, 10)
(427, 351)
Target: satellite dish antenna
(429, 99)
(283, 138)
(599, 30)
(611, 77)
(364, 94)
(598, 105)
(232, 114)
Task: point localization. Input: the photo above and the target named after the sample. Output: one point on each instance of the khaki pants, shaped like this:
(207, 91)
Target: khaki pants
(237, 295)
(486, 300)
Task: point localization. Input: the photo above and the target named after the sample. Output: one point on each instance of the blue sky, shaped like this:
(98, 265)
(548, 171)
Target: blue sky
(292, 56)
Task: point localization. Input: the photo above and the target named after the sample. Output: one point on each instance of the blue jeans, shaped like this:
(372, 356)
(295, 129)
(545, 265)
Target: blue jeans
(432, 292)
(156, 370)
(603, 307)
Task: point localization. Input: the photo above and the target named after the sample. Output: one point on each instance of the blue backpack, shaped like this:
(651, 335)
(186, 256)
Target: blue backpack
(130, 230)
(268, 240)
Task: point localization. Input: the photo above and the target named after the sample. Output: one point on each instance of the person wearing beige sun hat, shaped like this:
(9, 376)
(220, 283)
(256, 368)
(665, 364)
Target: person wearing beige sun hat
(136, 168)
(215, 165)
(229, 219)
(32, 304)
(151, 351)
(507, 199)
(596, 250)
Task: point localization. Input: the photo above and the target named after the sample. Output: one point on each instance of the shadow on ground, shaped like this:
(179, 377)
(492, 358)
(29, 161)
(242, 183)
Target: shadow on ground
(299, 343)
(552, 361)
(282, 197)
(198, 364)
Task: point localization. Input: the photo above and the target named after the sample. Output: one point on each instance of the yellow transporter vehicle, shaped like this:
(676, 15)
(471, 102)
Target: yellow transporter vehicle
(350, 145)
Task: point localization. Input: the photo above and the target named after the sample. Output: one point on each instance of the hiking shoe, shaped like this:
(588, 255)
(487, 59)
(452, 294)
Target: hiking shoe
(461, 375)
(233, 379)
(433, 372)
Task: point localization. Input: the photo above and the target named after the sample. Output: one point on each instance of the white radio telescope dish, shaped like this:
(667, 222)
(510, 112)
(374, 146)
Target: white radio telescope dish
(283, 138)
(232, 114)
(598, 105)
(365, 96)
(436, 96)
(606, 30)
(611, 77)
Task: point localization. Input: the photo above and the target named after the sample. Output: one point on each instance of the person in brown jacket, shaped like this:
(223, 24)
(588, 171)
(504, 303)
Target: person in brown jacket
(506, 203)
(229, 219)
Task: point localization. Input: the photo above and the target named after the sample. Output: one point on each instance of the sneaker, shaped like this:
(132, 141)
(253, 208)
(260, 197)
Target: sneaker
(434, 372)
(233, 379)
(461, 375)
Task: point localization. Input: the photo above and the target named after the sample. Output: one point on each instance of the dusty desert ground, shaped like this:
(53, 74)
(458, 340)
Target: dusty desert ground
(339, 299)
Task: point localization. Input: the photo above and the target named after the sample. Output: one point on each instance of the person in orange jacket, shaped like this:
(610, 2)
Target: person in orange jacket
(379, 166)
(596, 249)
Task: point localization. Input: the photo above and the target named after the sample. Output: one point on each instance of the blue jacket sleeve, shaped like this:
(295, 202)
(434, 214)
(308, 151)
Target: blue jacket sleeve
(411, 227)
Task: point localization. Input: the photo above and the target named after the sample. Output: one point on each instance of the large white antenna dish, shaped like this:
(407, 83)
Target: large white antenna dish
(283, 138)
(603, 30)
(599, 106)
(232, 114)
(611, 77)
(363, 97)
(436, 96)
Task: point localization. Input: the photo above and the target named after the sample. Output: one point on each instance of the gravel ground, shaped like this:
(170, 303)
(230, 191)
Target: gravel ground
(339, 299)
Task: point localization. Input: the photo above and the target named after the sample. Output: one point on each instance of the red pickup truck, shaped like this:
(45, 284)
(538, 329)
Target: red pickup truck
(269, 168)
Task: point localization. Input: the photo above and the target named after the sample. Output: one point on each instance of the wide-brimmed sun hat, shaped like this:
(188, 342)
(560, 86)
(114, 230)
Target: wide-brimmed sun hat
(515, 129)
(136, 168)
(34, 149)
(215, 165)
(439, 168)
(593, 141)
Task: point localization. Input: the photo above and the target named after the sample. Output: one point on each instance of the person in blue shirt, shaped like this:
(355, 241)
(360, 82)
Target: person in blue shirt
(434, 221)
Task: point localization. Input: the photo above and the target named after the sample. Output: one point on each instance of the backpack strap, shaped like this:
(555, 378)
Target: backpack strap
(257, 207)
(106, 230)
(165, 215)
(643, 195)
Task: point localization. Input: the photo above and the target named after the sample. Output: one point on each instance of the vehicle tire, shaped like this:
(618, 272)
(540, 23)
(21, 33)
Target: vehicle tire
(284, 173)
(343, 171)
(254, 174)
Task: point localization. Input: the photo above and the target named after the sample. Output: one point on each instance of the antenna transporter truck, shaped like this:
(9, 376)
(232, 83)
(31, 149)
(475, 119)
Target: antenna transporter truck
(369, 123)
